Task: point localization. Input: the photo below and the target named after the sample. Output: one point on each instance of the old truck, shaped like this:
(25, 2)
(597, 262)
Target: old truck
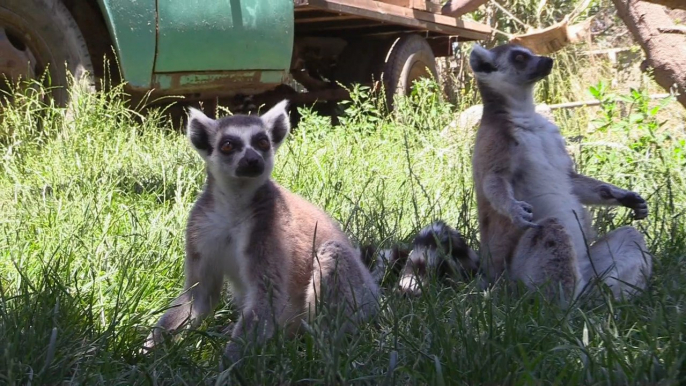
(211, 48)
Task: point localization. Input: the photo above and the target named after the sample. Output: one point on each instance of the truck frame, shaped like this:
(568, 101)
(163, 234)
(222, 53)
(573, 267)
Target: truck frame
(228, 49)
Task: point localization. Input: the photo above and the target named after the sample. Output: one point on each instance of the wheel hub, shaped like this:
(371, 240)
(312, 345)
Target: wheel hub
(417, 71)
(16, 59)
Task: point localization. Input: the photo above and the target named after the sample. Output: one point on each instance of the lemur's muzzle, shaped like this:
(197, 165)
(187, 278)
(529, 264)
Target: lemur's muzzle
(251, 165)
(545, 66)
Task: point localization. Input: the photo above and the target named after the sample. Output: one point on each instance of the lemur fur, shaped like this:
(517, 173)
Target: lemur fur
(282, 256)
(437, 250)
(532, 220)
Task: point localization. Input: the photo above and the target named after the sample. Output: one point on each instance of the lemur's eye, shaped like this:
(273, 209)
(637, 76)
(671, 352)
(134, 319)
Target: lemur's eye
(226, 147)
(263, 144)
(519, 58)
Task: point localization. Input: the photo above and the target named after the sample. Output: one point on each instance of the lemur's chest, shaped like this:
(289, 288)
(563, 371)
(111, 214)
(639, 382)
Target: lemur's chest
(225, 236)
(540, 148)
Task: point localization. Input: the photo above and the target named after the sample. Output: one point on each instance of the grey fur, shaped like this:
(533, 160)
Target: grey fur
(437, 250)
(530, 200)
(274, 248)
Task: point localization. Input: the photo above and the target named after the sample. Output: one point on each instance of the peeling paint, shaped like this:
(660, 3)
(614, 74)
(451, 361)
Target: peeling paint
(211, 81)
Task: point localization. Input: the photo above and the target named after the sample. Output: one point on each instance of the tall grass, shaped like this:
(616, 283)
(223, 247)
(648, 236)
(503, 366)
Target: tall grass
(91, 250)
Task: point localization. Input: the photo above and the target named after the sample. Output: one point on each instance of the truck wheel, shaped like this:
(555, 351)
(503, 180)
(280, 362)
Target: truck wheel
(410, 58)
(41, 34)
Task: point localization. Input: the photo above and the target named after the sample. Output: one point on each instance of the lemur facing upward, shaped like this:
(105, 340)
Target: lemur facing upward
(437, 250)
(282, 256)
(532, 221)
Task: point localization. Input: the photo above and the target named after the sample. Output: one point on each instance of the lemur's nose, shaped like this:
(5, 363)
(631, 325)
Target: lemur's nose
(251, 158)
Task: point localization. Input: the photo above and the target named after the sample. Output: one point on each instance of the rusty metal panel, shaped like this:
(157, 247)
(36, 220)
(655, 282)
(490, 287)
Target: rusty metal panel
(226, 35)
(132, 26)
(220, 82)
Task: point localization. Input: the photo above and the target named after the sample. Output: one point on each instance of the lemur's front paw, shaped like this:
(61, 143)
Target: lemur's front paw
(522, 215)
(155, 337)
(629, 199)
(635, 202)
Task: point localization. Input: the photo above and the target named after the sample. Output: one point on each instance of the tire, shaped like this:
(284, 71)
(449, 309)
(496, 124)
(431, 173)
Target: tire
(410, 58)
(45, 31)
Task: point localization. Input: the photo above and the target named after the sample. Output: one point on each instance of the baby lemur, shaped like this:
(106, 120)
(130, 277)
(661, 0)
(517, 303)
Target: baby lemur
(532, 221)
(438, 250)
(282, 256)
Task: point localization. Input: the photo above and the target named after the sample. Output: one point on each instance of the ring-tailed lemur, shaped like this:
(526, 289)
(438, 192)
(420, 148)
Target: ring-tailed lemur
(530, 199)
(282, 256)
(384, 264)
(437, 250)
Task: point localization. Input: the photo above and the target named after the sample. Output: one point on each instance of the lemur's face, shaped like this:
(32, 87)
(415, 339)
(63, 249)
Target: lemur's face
(239, 147)
(509, 64)
(437, 250)
(243, 147)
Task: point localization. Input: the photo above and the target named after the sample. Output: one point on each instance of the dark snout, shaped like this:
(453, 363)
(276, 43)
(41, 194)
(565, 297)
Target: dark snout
(251, 165)
(540, 68)
(545, 65)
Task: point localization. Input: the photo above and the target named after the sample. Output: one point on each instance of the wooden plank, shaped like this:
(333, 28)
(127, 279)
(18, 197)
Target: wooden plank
(478, 28)
(308, 13)
(572, 105)
(326, 19)
(378, 29)
(394, 14)
(334, 26)
(399, 3)
(422, 5)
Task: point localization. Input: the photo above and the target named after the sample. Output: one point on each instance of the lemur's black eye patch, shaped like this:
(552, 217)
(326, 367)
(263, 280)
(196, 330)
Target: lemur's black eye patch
(230, 143)
(519, 58)
(260, 141)
(485, 67)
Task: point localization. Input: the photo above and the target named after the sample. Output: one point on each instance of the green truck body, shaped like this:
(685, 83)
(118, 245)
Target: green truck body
(216, 48)
(185, 46)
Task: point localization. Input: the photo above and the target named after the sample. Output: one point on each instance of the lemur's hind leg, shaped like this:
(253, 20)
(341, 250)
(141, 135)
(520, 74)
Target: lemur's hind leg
(621, 260)
(338, 287)
(545, 258)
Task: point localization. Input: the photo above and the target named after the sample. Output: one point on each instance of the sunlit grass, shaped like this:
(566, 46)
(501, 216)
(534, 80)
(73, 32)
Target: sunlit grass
(91, 249)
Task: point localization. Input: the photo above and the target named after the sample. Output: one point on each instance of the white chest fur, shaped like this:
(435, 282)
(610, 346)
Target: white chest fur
(544, 166)
(541, 150)
(541, 163)
(222, 241)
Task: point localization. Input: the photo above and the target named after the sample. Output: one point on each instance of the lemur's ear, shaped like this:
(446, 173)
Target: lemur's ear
(277, 122)
(200, 130)
(481, 60)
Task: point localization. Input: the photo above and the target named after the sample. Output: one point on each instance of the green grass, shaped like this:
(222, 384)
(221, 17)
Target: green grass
(91, 251)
